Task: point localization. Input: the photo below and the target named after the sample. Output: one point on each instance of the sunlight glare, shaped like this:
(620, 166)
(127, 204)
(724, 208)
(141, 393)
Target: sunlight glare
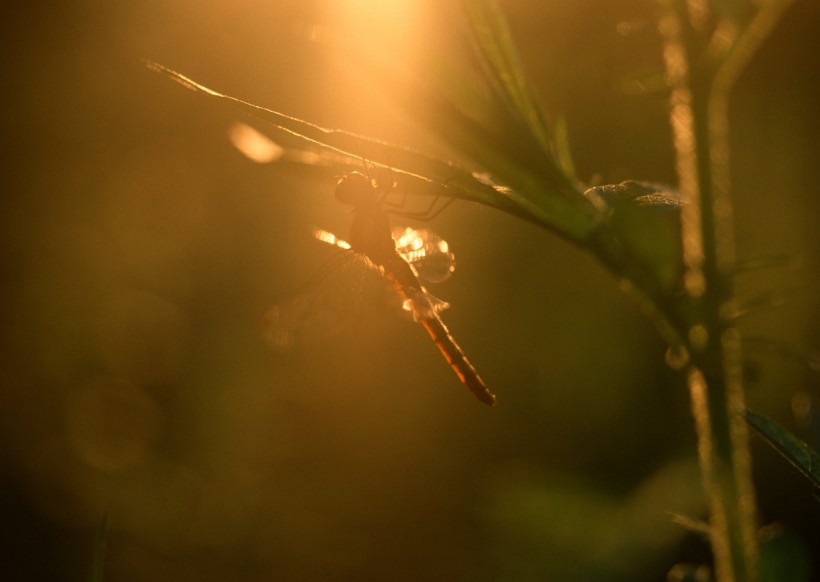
(389, 20)
(330, 238)
(254, 145)
(408, 239)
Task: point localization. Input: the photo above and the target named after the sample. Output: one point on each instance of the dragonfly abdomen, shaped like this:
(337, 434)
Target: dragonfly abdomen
(457, 360)
(440, 335)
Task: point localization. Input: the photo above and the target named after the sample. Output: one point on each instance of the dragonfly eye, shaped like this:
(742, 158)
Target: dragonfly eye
(355, 189)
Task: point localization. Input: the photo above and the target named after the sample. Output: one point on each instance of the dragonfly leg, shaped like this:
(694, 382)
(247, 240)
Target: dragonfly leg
(429, 213)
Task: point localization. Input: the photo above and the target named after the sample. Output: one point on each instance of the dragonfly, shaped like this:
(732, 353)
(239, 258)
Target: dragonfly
(398, 256)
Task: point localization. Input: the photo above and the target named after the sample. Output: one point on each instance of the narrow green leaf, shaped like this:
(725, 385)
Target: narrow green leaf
(645, 217)
(495, 41)
(798, 453)
(539, 152)
(638, 193)
(562, 149)
(406, 161)
(571, 218)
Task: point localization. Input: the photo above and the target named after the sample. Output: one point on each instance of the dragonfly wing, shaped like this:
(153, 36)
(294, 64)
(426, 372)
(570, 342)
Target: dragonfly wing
(329, 238)
(302, 320)
(350, 288)
(325, 307)
(280, 325)
(423, 305)
(429, 254)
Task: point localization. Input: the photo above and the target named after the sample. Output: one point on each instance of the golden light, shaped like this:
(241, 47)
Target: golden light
(394, 21)
(254, 145)
(330, 238)
(365, 36)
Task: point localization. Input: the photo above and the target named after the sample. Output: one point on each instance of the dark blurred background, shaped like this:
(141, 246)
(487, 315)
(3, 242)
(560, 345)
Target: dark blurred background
(141, 252)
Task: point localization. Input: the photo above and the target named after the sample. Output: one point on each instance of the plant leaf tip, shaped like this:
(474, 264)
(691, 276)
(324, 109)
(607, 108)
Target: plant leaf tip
(186, 82)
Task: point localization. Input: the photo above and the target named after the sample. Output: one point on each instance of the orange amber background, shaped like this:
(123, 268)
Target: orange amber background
(140, 252)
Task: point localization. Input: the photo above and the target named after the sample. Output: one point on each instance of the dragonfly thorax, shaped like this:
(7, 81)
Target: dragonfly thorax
(356, 189)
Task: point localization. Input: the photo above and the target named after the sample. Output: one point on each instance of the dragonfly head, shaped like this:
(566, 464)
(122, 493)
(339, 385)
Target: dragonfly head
(355, 189)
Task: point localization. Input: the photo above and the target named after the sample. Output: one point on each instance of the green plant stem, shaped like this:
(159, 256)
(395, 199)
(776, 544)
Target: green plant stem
(700, 126)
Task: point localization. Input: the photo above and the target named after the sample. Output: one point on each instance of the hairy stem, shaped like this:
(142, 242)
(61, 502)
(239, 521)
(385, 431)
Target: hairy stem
(699, 118)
